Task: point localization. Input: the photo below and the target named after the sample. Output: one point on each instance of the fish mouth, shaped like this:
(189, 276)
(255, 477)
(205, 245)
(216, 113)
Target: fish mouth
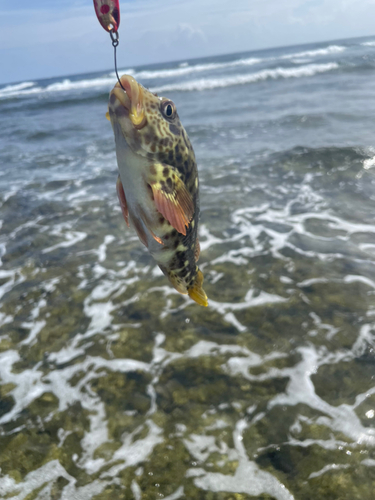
(130, 95)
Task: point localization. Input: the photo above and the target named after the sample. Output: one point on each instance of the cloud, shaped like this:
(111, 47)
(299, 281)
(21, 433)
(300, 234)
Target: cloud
(35, 27)
(64, 37)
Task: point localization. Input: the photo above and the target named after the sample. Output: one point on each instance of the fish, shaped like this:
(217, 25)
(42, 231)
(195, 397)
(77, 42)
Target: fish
(158, 185)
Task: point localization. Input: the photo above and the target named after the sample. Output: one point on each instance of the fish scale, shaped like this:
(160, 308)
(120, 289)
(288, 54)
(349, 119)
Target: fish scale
(158, 187)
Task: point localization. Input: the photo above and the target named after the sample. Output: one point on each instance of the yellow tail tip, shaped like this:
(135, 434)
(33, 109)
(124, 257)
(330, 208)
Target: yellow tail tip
(199, 297)
(197, 293)
(107, 116)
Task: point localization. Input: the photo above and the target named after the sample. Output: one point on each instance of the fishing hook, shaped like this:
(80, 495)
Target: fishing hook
(115, 41)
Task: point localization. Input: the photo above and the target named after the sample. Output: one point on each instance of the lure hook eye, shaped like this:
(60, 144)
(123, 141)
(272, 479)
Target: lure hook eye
(114, 37)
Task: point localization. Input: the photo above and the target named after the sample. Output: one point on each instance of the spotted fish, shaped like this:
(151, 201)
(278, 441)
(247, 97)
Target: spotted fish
(158, 185)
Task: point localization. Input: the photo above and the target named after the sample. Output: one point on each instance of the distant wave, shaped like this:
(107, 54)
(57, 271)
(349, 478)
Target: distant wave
(17, 87)
(128, 71)
(80, 84)
(7, 92)
(187, 70)
(331, 49)
(25, 89)
(301, 61)
(213, 83)
(369, 44)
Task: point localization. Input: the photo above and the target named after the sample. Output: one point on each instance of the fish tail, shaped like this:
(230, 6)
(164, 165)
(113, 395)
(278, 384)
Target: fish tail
(196, 292)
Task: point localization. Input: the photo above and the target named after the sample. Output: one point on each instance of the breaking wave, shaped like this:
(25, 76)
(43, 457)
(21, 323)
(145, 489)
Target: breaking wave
(80, 84)
(28, 88)
(17, 87)
(187, 70)
(213, 83)
(332, 49)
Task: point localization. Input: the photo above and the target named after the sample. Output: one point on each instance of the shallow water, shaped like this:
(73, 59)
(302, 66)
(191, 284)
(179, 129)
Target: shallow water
(115, 386)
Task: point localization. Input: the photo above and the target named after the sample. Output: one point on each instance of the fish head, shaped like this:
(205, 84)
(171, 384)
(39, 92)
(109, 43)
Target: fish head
(149, 123)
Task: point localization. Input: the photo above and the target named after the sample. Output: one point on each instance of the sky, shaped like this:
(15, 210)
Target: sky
(46, 38)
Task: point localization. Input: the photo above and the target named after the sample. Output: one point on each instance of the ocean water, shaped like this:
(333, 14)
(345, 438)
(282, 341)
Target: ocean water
(114, 386)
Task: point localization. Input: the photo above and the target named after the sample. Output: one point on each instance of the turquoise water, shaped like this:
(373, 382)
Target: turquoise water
(112, 385)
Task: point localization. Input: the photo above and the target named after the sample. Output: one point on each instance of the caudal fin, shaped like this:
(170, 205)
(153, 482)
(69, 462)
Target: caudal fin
(196, 292)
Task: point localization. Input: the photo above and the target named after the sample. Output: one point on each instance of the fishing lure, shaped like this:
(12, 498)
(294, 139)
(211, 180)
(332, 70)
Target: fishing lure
(108, 14)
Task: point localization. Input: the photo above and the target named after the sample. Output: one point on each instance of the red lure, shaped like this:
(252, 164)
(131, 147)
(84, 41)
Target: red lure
(108, 14)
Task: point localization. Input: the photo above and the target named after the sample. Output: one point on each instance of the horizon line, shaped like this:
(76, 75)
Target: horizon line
(189, 59)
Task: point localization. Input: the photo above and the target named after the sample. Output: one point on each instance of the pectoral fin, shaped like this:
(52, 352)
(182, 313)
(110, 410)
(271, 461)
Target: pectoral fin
(171, 197)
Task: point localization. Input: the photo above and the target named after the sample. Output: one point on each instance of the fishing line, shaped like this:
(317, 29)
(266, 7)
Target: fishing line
(108, 14)
(115, 41)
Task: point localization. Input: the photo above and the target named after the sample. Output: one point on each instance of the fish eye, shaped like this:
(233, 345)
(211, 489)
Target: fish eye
(168, 109)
